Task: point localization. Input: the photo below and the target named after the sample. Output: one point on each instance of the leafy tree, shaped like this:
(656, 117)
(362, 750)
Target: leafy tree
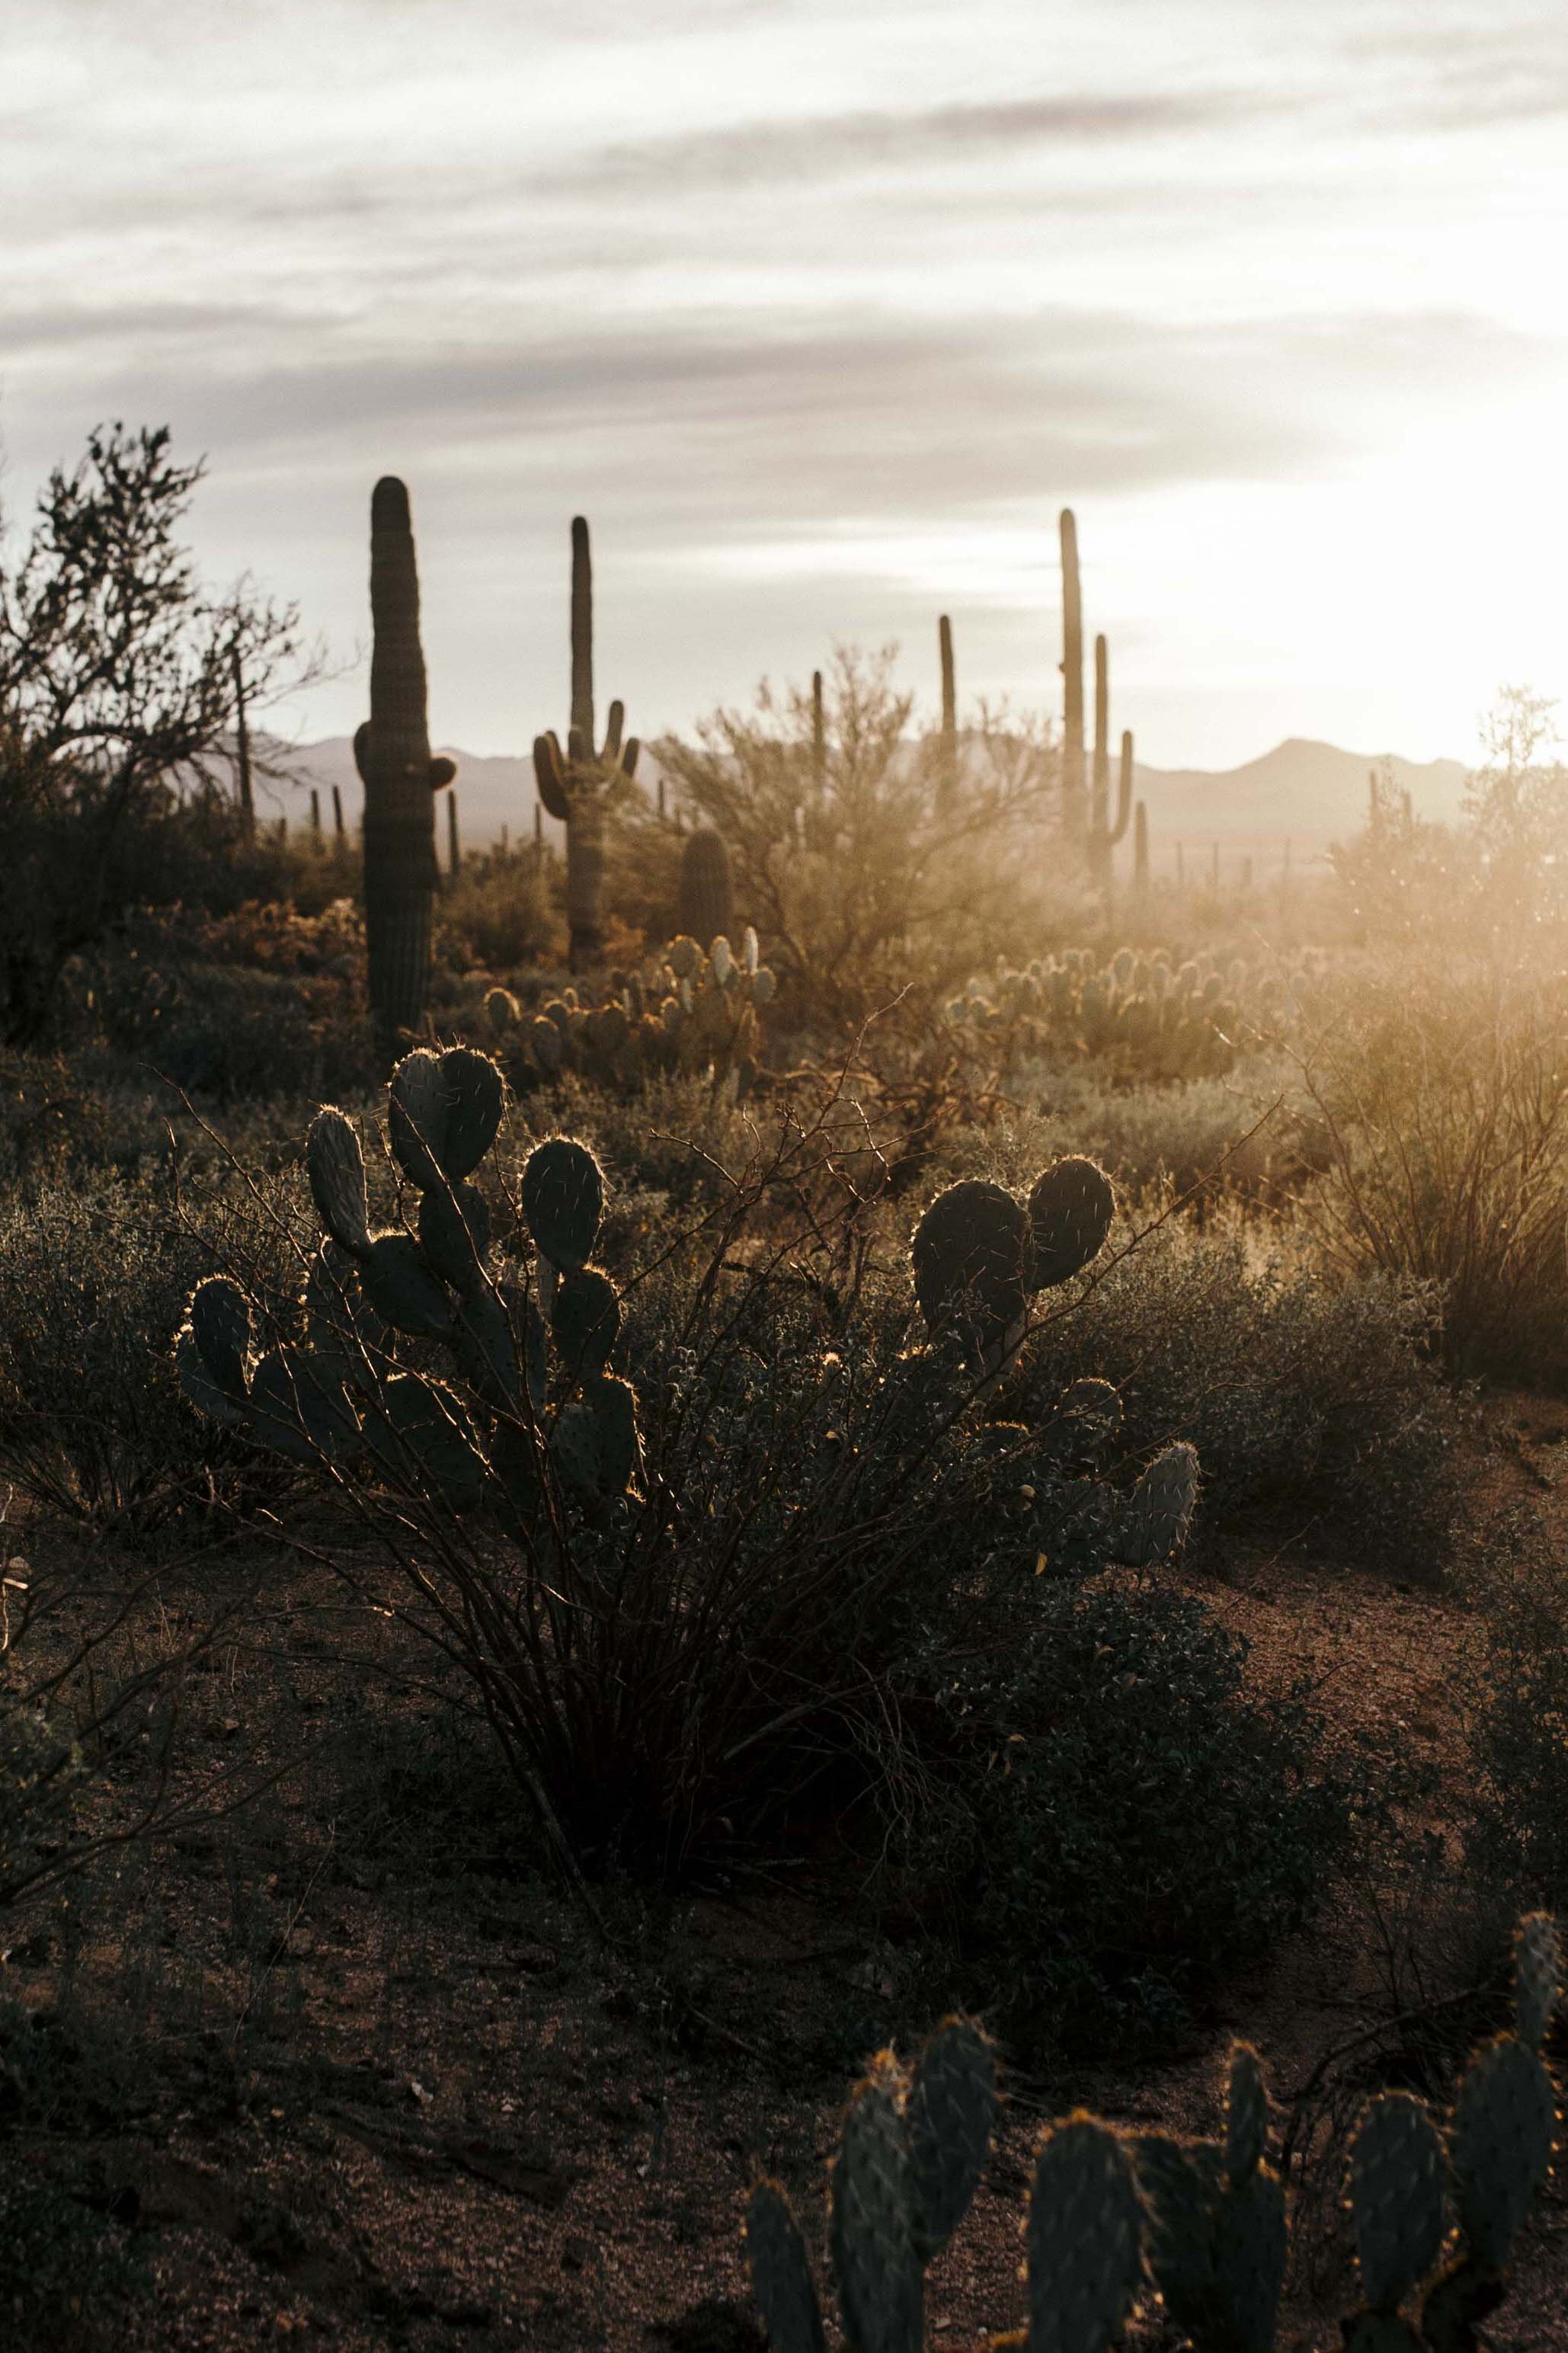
(118, 674)
(864, 862)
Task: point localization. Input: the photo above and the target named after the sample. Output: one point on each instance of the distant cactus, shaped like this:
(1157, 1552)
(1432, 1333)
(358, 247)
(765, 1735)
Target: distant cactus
(1104, 830)
(697, 1013)
(575, 786)
(1132, 1011)
(1074, 810)
(704, 908)
(392, 753)
(947, 745)
(528, 1367)
(1141, 856)
(1115, 2219)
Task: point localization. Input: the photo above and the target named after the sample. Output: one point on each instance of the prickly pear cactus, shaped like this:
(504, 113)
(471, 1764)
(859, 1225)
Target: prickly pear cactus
(911, 2154)
(529, 1380)
(970, 1255)
(1116, 2220)
(698, 1011)
(977, 1255)
(1147, 1020)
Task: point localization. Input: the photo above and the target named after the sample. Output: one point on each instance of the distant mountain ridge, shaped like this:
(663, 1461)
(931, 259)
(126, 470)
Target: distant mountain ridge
(1307, 792)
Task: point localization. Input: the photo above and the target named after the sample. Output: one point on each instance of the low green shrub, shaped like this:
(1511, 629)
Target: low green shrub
(92, 1423)
(1124, 1819)
(1519, 1831)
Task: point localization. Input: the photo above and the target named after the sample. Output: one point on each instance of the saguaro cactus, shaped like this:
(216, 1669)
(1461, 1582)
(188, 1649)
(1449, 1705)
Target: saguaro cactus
(1073, 797)
(1103, 833)
(392, 753)
(1141, 854)
(947, 770)
(574, 787)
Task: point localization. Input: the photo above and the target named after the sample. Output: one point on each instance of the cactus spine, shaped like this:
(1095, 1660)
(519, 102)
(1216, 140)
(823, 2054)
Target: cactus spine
(1073, 812)
(576, 786)
(392, 753)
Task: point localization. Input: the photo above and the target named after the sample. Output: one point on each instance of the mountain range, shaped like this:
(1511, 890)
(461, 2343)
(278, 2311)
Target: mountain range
(1306, 793)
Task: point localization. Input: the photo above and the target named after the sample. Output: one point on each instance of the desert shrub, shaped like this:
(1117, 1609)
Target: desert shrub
(1203, 1139)
(501, 911)
(235, 1009)
(866, 867)
(681, 1598)
(1442, 1092)
(1125, 1819)
(92, 1423)
(1313, 1404)
(1519, 1834)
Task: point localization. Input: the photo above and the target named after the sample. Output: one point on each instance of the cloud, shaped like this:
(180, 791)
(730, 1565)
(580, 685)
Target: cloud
(1454, 75)
(855, 143)
(828, 415)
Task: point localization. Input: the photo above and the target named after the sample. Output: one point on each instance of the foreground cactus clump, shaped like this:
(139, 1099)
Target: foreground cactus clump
(1204, 2226)
(529, 1362)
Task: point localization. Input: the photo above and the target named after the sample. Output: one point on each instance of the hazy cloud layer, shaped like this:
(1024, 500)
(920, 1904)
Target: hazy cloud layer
(823, 316)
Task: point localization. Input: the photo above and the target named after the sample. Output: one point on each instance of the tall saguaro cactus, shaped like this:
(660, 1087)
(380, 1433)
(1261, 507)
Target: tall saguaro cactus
(947, 770)
(1073, 793)
(392, 753)
(1141, 856)
(576, 786)
(1103, 833)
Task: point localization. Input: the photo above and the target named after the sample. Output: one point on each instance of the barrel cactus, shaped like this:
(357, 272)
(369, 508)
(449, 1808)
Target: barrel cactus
(705, 910)
(528, 1364)
(392, 753)
(1117, 2219)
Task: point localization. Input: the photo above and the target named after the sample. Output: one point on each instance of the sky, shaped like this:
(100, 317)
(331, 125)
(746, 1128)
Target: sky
(821, 315)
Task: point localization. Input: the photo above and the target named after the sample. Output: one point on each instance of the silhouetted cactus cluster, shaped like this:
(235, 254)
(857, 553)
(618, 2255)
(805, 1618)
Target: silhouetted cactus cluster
(693, 1012)
(1115, 2219)
(1160, 1021)
(529, 1360)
